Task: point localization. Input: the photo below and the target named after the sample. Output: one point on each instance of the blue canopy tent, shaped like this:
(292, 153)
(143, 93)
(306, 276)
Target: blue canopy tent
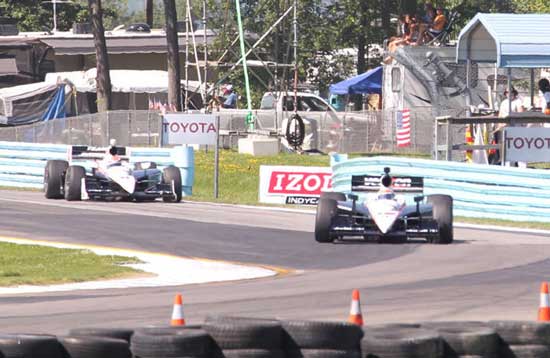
(368, 82)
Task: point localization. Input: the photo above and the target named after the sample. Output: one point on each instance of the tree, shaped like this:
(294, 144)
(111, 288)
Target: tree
(36, 15)
(172, 56)
(103, 78)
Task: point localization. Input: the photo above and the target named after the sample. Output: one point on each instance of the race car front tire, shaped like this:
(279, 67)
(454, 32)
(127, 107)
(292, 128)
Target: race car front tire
(73, 182)
(172, 174)
(333, 195)
(442, 208)
(326, 211)
(53, 178)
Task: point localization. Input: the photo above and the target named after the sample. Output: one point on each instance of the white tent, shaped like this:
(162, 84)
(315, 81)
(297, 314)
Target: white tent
(127, 81)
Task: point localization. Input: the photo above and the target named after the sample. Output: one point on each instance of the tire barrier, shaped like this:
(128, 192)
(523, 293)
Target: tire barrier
(22, 165)
(481, 191)
(241, 337)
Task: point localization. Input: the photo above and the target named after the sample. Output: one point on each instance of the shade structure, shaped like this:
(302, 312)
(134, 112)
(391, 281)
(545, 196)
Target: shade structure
(365, 83)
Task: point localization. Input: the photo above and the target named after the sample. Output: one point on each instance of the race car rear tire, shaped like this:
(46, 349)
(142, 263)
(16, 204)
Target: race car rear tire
(172, 174)
(326, 211)
(73, 182)
(333, 195)
(442, 206)
(54, 178)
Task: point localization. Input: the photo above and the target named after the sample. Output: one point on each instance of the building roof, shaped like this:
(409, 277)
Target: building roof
(510, 40)
(67, 43)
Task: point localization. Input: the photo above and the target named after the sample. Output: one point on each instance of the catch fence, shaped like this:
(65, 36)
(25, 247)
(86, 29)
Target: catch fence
(349, 132)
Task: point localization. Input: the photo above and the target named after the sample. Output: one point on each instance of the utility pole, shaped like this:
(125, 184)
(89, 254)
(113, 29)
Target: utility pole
(172, 55)
(103, 78)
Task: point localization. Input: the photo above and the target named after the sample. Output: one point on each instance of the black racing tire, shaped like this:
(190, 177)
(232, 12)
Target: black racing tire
(322, 353)
(73, 182)
(333, 195)
(295, 130)
(321, 335)
(117, 333)
(54, 174)
(402, 343)
(253, 353)
(467, 338)
(165, 330)
(172, 174)
(213, 318)
(390, 326)
(326, 211)
(442, 207)
(29, 345)
(93, 347)
(522, 332)
(138, 166)
(266, 334)
(527, 351)
(188, 343)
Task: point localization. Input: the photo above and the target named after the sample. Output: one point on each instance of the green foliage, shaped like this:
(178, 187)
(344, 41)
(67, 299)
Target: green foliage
(36, 15)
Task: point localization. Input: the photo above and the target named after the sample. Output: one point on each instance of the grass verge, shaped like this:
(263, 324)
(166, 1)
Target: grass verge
(43, 265)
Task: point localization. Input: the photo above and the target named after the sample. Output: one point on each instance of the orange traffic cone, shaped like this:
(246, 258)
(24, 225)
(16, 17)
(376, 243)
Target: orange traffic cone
(355, 315)
(544, 309)
(177, 312)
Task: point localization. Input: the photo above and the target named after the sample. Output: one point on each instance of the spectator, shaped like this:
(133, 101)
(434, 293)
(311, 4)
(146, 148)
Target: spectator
(230, 97)
(544, 87)
(439, 23)
(517, 106)
(426, 21)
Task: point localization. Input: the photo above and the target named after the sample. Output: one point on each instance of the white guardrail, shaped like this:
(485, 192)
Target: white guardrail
(483, 191)
(22, 164)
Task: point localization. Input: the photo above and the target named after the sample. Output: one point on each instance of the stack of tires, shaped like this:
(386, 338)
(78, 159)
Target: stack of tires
(401, 341)
(239, 337)
(97, 342)
(467, 339)
(523, 339)
(310, 339)
(171, 342)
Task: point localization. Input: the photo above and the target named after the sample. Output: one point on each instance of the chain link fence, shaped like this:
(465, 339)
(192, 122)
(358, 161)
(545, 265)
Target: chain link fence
(350, 132)
(129, 128)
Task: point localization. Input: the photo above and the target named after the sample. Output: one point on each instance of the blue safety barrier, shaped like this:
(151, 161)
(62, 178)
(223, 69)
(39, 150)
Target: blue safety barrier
(482, 191)
(22, 164)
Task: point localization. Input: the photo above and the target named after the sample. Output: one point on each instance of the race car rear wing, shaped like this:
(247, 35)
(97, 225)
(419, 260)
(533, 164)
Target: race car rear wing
(84, 152)
(400, 184)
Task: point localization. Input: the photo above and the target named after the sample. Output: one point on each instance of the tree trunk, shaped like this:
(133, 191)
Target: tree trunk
(103, 78)
(361, 47)
(172, 56)
(149, 12)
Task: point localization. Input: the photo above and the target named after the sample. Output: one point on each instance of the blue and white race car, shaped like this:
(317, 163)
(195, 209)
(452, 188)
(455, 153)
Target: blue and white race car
(384, 215)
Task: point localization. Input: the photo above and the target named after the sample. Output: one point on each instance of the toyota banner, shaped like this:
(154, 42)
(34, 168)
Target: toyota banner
(293, 184)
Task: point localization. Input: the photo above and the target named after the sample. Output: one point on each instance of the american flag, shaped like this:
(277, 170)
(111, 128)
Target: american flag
(403, 128)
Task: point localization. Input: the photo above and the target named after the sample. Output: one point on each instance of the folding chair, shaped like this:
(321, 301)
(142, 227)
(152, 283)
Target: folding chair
(441, 38)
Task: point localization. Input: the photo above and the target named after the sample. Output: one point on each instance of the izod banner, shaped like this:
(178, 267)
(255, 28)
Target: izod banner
(527, 144)
(179, 128)
(293, 184)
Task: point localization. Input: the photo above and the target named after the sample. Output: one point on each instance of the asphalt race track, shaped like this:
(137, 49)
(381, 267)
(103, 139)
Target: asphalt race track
(485, 274)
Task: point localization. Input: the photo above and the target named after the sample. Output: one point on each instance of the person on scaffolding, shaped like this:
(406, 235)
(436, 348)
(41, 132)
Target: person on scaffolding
(230, 97)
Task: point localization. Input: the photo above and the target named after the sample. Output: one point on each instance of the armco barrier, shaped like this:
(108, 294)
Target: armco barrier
(22, 164)
(484, 191)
